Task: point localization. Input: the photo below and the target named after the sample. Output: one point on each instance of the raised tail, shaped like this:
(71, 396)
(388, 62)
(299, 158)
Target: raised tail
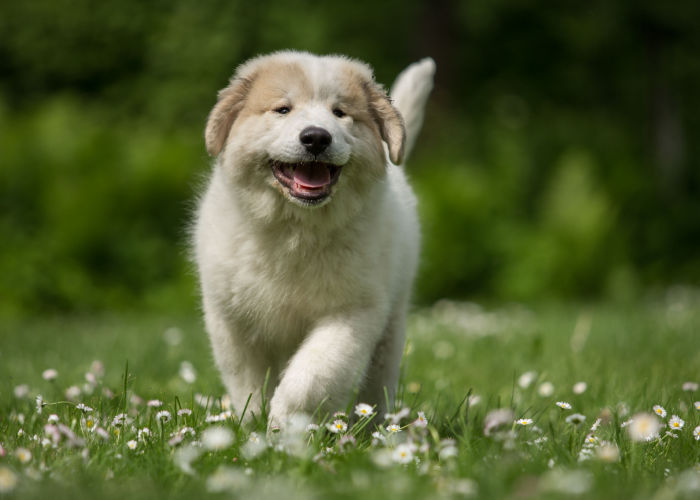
(409, 94)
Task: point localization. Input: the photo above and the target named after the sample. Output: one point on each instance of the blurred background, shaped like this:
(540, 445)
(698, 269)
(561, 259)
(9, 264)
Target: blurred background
(560, 157)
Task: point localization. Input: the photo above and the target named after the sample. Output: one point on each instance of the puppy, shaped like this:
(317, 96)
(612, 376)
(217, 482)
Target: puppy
(306, 239)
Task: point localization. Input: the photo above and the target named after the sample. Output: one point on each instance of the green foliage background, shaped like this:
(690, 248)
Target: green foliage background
(560, 154)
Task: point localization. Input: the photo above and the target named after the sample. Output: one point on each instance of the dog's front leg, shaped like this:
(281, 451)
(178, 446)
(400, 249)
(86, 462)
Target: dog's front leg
(328, 364)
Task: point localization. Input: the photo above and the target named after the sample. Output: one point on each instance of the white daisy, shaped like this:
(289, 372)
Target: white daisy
(393, 428)
(378, 437)
(526, 379)
(21, 391)
(580, 387)
(575, 419)
(187, 372)
(643, 427)
(364, 410)
(84, 408)
(163, 416)
(20, 433)
(312, 427)
(49, 374)
(337, 426)
(421, 421)
(660, 411)
(697, 405)
(132, 444)
(23, 455)
(690, 386)
(217, 438)
(563, 405)
(676, 423)
(545, 389)
(53, 418)
(154, 403)
(39, 403)
(8, 480)
(184, 411)
(72, 393)
(144, 433)
(403, 454)
(608, 452)
(524, 421)
(696, 433)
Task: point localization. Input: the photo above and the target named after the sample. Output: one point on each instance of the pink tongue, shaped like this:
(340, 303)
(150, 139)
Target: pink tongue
(310, 175)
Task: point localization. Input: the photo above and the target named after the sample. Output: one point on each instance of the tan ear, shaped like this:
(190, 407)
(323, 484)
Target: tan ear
(390, 121)
(224, 113)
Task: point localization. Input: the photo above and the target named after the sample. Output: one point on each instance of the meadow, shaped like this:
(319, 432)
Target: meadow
(596, 400)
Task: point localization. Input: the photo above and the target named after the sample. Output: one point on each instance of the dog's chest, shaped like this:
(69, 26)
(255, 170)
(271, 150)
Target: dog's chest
(279, 291)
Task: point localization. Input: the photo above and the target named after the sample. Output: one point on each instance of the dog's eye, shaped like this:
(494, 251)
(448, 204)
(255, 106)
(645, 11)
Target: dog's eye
(338, 112)
(283, 110)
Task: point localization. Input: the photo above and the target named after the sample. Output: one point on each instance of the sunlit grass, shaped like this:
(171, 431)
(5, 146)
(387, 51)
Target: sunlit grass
(498, 402)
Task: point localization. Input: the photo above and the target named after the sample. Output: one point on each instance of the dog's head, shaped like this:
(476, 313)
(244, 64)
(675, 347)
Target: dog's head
(310, 127)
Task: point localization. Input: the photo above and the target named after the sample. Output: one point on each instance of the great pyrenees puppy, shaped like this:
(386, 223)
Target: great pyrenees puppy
(306, 239)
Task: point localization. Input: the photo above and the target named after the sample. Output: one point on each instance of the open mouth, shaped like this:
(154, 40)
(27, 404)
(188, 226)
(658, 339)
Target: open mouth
(309, 182)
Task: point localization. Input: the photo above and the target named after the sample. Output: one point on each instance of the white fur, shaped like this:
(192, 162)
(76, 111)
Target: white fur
(318, 296)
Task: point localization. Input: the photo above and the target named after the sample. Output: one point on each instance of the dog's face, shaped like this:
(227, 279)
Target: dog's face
(311, 128)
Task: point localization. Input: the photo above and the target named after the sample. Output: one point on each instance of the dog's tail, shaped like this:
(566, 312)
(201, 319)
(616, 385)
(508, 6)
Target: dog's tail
(409, 94)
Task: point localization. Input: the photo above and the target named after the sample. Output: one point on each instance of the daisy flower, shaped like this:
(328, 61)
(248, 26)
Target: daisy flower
(545, 389)
(524, 421)
(8, 480)
(526, 379)
(421, 421)
(340, 414)
(697, 405)
(575, 419)
(132, 444)
(144, 433)
(403, 454)
(39, 403)
(590, 440)
(154, 403)
(163, 416)
(53, 418)
(312, 427)
(660, 411)
(580, 387)
(696, 433)
(82, 407)
(644, 427)
(378, 437)
(119, 420)
(72, 393)
(337, 426)
(563, 405)
(23, 455)
(49, 374)
(21, 391)
(20, 433)
(690, 386)
(184, 411)
(596, 424)
(608, 452)
(676, 423)
(364, 410)
(217, 438)
(393, 428)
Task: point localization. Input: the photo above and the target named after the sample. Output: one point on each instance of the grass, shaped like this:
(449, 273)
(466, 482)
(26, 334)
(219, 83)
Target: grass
(462, 361)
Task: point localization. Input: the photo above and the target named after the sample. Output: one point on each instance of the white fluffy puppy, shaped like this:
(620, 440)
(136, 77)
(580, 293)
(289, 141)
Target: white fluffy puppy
(307, 238)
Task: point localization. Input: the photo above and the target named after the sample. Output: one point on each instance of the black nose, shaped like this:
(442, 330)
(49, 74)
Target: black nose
(315, 139)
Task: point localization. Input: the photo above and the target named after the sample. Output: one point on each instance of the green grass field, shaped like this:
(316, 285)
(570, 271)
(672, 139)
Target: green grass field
(462, 362)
